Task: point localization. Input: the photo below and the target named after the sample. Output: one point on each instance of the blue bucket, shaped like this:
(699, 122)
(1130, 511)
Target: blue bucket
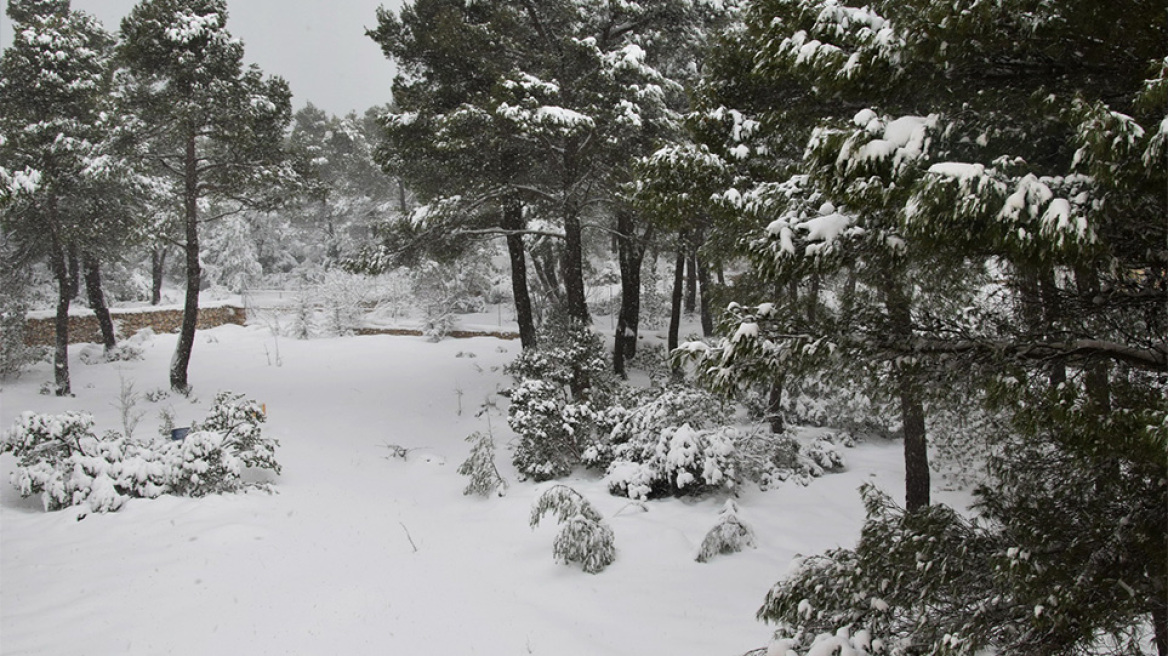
(178, 434)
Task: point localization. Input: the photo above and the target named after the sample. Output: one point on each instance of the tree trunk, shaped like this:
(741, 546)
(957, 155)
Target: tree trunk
(74, 272)
(704, 283)
(186, 339)
(678, 290)
(97, 302)
(157, 266)
(774, 414)
(1160, 626)
(513, 221)
(1051, 315)
(59, 264)
(631, 253)
(574, 268)
(691, 281)
(912, 411)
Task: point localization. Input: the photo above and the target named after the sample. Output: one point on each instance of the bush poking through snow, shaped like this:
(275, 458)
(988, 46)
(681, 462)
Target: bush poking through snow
(63, 460)
(729, 535)
(584, 536)
(480, 467)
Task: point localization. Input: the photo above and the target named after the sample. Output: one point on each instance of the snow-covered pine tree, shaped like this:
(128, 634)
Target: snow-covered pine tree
(987, 200)
(75, 193)
(729, 535)
(584, 536)
(480, 467)
(211, 128)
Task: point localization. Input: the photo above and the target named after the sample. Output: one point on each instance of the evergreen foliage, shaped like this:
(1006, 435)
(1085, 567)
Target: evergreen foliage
(560, 388)
(60, 458)
(729, 535)
(584, 536)
(480, 467)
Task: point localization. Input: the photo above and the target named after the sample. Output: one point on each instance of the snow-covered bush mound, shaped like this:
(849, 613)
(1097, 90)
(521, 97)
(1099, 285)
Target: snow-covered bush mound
(729, 535)
(63, 460)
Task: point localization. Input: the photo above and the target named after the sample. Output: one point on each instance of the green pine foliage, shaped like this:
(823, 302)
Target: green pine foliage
(584, 536)
(729, 535)
(480, 468)
(561, 386)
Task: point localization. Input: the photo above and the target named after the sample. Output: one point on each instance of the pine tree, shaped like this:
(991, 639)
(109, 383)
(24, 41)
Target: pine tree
(74, 194)
(983, 190)
(213, 129)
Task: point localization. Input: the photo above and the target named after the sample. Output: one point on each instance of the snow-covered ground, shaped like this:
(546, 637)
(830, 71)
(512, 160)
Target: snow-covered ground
(360, 553)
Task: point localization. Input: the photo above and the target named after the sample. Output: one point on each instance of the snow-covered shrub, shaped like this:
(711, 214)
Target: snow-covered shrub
(729, 535)
(238, 420)
(62, 459)
(916, 583)
(678, 461)
(667, 441)
(584, 536)
(480, 467)
(444, 291)
(15, 295)
(561, 387)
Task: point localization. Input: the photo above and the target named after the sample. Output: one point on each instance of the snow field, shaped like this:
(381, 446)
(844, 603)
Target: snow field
(363, 553)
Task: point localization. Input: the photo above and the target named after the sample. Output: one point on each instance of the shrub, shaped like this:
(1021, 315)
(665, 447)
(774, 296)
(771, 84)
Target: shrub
(480, 467)
(63, 460)
(561, 388)
(584, 536)
(729, 535)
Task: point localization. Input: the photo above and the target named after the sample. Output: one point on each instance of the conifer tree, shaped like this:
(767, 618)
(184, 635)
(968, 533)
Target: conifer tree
(211, 128)
(70, 194)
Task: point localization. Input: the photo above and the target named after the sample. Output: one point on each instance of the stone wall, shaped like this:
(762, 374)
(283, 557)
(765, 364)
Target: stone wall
(83, 326)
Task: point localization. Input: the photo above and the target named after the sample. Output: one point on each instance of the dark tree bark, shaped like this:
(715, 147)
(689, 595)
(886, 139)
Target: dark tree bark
(58, 261)
(912, 411)
(186, 339)
(691, 281)
(96, 297)
(157, 266)
(704, 306)
(574, 268)
(774, 413)
(1160, 625)
(513, 222)
(678, 290)
(631, 254)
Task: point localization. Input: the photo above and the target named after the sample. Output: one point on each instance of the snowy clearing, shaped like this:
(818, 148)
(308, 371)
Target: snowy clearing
(359, 552)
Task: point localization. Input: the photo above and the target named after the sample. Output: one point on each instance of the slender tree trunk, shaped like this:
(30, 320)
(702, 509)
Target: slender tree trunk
(74, 272)
(912, 411)
(691, 281)
(678, 291)
(774, 413)
(1052, 311)
(574, 268)
(631, 253)
(513, 221)
(58, 261)
(157, 266)
(704, 283)
(1160, 626)
(97, 302)
(186, 340)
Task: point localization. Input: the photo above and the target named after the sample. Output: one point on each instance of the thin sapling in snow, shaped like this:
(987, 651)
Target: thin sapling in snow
(480, 467)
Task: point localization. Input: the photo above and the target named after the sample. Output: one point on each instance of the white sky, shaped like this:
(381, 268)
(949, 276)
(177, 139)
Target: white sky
(319, 46)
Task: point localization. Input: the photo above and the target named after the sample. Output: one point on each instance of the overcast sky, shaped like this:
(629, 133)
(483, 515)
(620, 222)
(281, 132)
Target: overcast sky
(319, 46)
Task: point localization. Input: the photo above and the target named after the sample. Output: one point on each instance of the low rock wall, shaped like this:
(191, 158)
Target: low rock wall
(83, 327)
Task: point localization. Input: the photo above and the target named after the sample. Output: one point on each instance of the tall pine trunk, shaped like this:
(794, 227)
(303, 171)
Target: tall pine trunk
(691, 280)
(574, 268)
(912, 410)
(65, 292)
(513, 224)
(186, 339)
(157, 266)
(704, 305)
(96, 297)
(631, 254)
(678, 291)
